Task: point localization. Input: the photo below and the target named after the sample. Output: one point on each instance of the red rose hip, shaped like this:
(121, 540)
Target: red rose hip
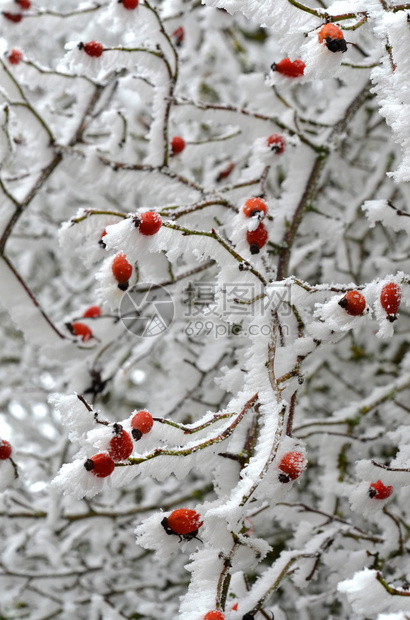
(353, 303)
(130, 5)
(333, 37)
(13, 17)
(80, 329)
(255, 206)
(225, 172)
(182, 522)
(215, 614)
(390, 298)
(92, 312)
(5, 450)
(92, 48)
(257, 238)
(15, 56)
(121, 445)
(178, 36)
(277, 143)
(24, 4)
(177, 145)
(378, 490)
(121, 270)
(101, 465)
(141, 424)
(290, 69)
(148, 223)
(292, 465)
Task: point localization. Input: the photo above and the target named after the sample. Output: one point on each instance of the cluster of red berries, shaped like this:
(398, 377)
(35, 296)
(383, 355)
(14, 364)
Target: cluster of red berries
(378, 490)
(329, 34)
(256, 207)
(81, 329)
(354, 303)
(291, 466)
(121, 445)
(5, 450)
(289, 68)
(148, 224)
(182, 522)
(177, 145)
(333, 37)
(24, 5)
(92, 48)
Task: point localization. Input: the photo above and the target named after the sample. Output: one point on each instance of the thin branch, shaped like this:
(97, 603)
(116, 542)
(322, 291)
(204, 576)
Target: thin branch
(33, 299)
(390, 589)
(215, 235)
(199, 446)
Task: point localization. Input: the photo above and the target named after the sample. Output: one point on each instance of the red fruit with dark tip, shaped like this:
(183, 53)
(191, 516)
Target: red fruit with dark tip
(130, 4)
(390, 298)
(101, 241)
(92, 312)
(121, 270)
(141, 424)
(178, 36)
(101, 465)
(225, 172)
(148, 223)
(80, 329)
(332, 36)
(377, 490)
(254, 206)
(292, 466)
(5, 450)
(214, 615)
(353, 303)
(257, 238)
(24, 4)
(329, 30)
(177, 145)
(92, 48)
(182, 522)
(121, 445)
(289, 68)
(14, 56)
(277, 143)
(13, 17)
